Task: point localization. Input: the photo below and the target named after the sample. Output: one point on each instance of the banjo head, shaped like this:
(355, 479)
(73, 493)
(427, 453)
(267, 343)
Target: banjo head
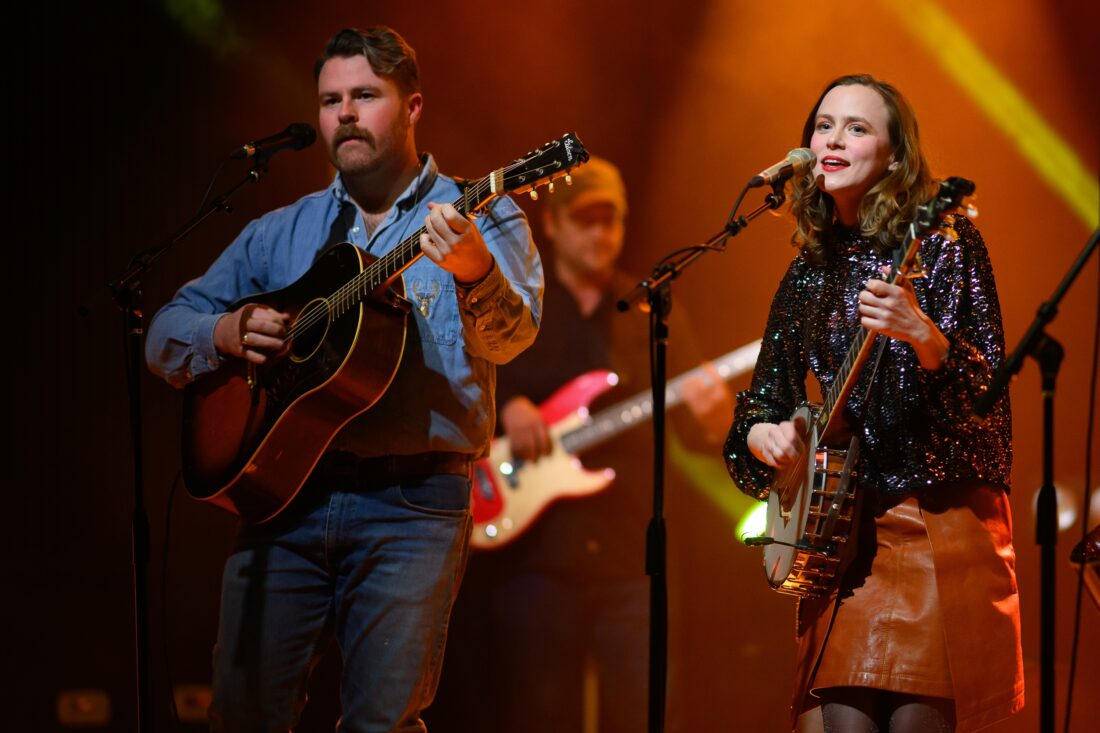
(820, 516)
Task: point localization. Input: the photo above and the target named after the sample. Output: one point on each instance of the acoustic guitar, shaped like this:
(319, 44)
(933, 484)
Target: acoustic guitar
(253, 433)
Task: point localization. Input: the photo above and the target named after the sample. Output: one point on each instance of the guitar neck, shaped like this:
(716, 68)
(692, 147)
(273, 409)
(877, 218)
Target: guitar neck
(622, 416)
(475, 196)
(836, 397)
(552, 161)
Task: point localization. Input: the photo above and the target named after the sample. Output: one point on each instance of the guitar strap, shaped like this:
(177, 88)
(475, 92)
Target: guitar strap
(339, 230)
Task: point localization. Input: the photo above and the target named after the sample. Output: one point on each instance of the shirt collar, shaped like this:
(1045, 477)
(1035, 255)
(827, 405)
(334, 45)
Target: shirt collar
(416, 191)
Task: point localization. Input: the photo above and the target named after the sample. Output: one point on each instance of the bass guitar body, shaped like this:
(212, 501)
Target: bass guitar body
(509, 495)
(252, 433)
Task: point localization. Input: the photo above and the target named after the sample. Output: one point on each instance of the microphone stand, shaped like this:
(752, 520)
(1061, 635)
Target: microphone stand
(657, 291)
(1048, 352)
(126, 292)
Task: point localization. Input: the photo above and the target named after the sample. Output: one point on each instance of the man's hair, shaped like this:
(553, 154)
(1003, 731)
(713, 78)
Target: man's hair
(890, 204)
(384, 48)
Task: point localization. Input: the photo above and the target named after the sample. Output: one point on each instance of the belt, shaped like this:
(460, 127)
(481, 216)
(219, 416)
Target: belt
(347, 467)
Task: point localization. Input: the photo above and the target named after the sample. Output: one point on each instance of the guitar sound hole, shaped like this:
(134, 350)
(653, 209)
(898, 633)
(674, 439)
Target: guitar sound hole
(314, 324)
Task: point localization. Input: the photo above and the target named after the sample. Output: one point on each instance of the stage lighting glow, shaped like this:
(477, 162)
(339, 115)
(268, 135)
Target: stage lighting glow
(1053, 159)
(1068, 506)
(753, 522)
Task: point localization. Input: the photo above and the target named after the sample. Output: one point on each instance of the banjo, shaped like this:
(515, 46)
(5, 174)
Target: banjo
(813, 503)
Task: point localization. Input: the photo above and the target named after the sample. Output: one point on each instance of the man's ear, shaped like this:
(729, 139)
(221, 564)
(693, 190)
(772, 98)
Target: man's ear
(415, 103)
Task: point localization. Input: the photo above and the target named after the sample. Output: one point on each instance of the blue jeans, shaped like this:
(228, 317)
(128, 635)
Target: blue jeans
(378, 569)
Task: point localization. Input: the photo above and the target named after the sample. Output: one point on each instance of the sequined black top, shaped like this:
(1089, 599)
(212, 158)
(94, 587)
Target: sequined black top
(914, 424)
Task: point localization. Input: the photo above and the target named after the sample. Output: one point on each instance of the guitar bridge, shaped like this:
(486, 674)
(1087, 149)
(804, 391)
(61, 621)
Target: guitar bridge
(398, 301)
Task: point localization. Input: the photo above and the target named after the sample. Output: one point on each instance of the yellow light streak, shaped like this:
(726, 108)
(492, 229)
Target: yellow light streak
(1054, 160)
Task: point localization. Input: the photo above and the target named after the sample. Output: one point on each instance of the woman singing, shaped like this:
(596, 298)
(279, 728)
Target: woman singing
(922, 630)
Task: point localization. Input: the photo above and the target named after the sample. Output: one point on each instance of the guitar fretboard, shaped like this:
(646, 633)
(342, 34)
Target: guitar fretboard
(354, 291)
(555, 159)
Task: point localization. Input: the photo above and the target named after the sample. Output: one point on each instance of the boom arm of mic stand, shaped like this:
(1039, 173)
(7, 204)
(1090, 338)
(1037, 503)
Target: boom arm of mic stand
(671, 270)
(143, 261)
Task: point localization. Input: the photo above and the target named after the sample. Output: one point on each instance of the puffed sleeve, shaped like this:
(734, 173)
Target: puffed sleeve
(778, 382)
(960, 296)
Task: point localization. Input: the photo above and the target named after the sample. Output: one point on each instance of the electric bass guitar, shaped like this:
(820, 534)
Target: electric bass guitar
(509, 495)
(813, 504)
(252, 433)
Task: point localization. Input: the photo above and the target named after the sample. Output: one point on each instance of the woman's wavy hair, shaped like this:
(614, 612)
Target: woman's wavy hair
(890, 204)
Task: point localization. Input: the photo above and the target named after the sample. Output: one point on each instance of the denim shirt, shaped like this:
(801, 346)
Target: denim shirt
(442, 395)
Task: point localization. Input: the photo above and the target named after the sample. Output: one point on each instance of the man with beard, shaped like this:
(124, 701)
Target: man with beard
(372, 549)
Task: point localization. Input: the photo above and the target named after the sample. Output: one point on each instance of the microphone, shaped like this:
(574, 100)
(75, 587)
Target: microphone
(295, 137)
(797, 162)
(827, 550)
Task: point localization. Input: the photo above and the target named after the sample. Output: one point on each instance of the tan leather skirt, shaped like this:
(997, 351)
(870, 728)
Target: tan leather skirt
(929, 606)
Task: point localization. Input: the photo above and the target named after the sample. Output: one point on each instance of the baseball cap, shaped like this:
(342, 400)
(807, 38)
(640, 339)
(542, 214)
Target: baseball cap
(597, 181)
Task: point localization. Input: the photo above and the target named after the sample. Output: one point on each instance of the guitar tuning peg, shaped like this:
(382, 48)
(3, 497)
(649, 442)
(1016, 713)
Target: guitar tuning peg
(550, 187)
(568, 180)
(534, 195)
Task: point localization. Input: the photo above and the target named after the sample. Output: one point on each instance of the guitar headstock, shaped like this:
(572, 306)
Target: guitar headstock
(939, 213)
(544, 165)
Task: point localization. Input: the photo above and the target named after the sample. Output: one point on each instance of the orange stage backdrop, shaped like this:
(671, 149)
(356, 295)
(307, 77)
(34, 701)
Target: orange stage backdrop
(120, 131)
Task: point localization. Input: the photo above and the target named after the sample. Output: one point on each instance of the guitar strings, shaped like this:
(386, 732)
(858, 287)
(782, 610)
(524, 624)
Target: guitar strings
(833, 393)
(365, 282)
(384, 268)
(941, 208)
